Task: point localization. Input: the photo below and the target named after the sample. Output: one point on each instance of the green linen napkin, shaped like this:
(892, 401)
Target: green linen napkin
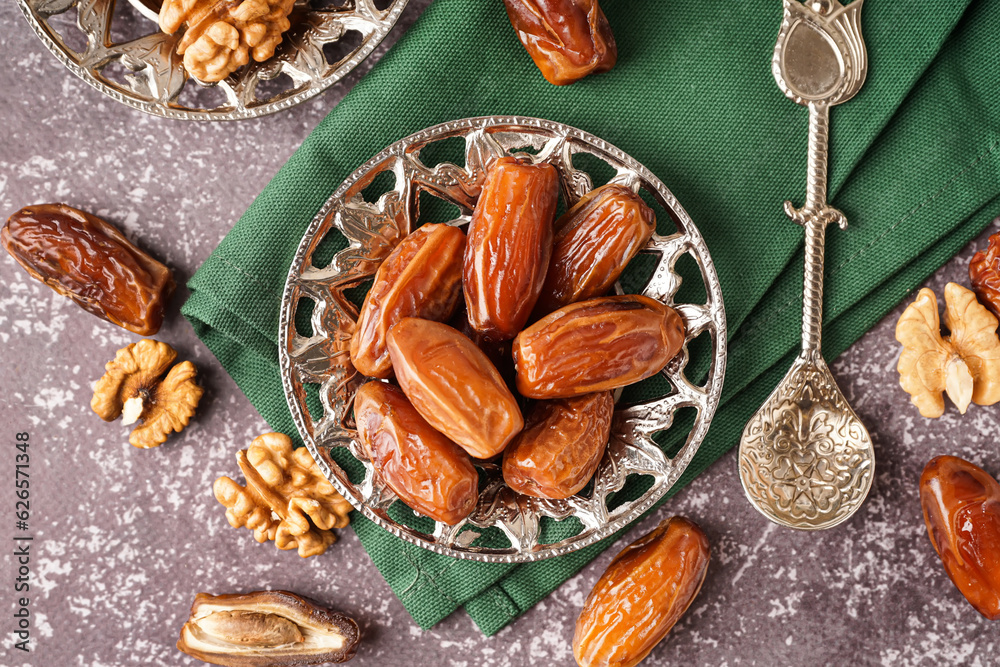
(915, 167)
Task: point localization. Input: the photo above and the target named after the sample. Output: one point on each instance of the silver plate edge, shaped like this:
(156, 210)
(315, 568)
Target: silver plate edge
(155, 109)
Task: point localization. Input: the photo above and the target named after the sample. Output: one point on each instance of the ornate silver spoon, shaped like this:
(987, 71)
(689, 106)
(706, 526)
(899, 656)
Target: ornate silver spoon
(806, 460)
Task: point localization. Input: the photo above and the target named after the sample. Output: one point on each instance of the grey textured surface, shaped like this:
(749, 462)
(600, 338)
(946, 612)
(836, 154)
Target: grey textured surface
(124, 538)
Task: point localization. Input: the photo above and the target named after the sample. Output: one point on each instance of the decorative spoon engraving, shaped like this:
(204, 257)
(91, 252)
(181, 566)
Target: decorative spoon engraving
(806, 460)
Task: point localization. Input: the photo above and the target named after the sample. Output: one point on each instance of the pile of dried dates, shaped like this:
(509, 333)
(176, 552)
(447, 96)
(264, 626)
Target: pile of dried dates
(536, 324)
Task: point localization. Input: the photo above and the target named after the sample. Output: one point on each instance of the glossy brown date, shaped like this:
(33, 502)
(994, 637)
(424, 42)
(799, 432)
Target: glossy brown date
(497, 351)
(961, 504)
(88, 260)
(422, 277)
(453, 385)
(560, 447)
(567, 39)
(510, 241)
(596, 345)
(594, 242)
(428, 472)
(642, 594)
(984, 274)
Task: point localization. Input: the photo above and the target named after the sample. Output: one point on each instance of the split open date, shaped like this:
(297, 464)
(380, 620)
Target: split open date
(267, 629)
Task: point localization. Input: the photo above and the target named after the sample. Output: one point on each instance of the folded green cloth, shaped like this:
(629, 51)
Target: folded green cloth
(915, 167)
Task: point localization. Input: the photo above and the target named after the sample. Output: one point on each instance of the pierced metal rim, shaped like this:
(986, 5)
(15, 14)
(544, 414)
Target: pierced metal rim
(159, 109)
(694, 243)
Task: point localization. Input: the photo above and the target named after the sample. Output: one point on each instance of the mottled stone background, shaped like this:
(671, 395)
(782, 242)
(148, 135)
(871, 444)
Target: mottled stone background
(124, 538)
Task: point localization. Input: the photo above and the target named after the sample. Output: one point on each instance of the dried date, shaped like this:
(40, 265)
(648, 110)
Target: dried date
(453, 385)
(88, 260)
(567, 39)
(642, 594)
(961, 504)
(984, 274)
(428, 472)
(267, 629)
(560, 447)
(422, 277)
(596, 345)
(594, 242)
(509, 245)
(497, 351)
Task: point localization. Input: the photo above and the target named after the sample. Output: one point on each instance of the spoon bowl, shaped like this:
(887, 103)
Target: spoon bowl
(805, 459)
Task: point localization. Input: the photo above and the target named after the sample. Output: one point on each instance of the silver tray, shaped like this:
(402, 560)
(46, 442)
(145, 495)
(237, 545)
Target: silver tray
(321, 357)
(144, 71)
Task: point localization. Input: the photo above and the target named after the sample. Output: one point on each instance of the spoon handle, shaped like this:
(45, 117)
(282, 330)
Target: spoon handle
(814, 216)
(812, 290)
(819, 142)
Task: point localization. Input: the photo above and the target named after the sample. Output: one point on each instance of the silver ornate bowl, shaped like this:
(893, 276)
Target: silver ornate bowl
(319, 381)
(121, 52)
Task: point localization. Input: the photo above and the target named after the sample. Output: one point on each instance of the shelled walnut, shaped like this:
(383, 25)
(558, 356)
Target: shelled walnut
(286, 498)
(965, 364)
(267, 629)
(134, 388)
(222, 35)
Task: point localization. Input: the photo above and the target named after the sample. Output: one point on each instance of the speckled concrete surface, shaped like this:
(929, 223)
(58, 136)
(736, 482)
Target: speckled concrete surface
(123, 538)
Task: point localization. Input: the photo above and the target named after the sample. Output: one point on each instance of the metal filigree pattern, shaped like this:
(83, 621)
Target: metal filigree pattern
(373, 229)
(155, 75)
(808, 455)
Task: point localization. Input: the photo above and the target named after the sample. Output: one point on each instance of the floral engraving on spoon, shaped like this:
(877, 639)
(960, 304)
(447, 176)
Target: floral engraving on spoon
(808, 455)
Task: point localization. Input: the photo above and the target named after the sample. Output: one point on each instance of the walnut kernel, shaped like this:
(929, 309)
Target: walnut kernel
(221, 36)
(286, 498)
(965, 364)
(134, 387)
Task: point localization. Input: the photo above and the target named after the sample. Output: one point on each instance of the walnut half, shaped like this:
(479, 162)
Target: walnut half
(286, 498)
(266, 629)
(221, 35)
(133, 387)
(965, 364)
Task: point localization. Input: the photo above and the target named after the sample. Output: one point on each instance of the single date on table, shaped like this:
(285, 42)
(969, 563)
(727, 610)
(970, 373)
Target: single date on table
(22, 541)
